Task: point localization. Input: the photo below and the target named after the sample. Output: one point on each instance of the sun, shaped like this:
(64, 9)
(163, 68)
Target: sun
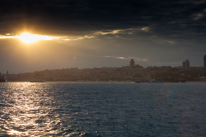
(30, 38)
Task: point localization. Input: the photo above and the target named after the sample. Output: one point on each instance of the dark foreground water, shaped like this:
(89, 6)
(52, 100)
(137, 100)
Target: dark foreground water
(103, 109)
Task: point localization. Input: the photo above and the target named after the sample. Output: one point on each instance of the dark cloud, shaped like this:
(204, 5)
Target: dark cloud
(69, 16)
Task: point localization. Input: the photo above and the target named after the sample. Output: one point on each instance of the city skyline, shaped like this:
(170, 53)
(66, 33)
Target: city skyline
(185, 66)
(39, 35)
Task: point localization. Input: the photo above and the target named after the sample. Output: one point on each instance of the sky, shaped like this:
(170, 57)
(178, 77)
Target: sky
(101, 33)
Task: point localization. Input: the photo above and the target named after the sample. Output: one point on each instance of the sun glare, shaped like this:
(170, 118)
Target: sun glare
(30, 38)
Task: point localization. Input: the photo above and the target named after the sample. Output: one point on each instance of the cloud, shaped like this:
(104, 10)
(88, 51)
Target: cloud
(115, 32)
(145, 29)
(120, 57)
(128, 58)
(198, 16)
(89, 18)
(7, 37)
(72, 38)
(26, 36)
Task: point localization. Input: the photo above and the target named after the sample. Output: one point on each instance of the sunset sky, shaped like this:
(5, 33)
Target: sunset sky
(55, 34)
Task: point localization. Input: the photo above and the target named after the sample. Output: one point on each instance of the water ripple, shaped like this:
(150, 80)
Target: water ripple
(102, 109)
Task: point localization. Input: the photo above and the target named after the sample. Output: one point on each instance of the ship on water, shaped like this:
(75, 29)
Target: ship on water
(2, 78)
(37, 80)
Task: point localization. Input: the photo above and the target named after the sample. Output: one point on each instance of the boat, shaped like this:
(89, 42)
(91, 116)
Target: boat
(142, 81)
(156, 81)
(2, 79)
(138, 81)
(182, 80)
(171, 80)
(37, 80)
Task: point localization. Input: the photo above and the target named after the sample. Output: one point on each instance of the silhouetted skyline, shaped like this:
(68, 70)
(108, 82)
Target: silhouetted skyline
(103, 33)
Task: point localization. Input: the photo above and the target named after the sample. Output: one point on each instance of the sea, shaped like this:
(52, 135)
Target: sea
(102, 109)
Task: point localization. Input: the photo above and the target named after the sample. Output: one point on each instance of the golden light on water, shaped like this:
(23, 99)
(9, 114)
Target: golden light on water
(30, 38)
(27, 114)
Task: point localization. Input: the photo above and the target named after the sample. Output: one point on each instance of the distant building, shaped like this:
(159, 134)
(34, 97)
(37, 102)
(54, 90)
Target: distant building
(132, 63)
(204, 63)
(186, 65)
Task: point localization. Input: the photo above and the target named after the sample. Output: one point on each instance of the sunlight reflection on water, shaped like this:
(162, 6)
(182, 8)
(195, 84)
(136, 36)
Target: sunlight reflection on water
(26, 109)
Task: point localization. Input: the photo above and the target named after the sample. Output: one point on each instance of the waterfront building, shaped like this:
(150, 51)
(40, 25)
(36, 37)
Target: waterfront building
(186, 65)
(132, 63)
(204, 64)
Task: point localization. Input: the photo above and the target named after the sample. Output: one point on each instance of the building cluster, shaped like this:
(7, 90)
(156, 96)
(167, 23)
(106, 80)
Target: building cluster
(186, 65)
(87, 74)
(126, 73)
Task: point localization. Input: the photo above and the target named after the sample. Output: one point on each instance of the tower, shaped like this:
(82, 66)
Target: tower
(132, 63)
(186, 65)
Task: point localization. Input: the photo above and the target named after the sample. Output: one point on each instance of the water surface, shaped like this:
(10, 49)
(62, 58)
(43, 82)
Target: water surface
(103, 109)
